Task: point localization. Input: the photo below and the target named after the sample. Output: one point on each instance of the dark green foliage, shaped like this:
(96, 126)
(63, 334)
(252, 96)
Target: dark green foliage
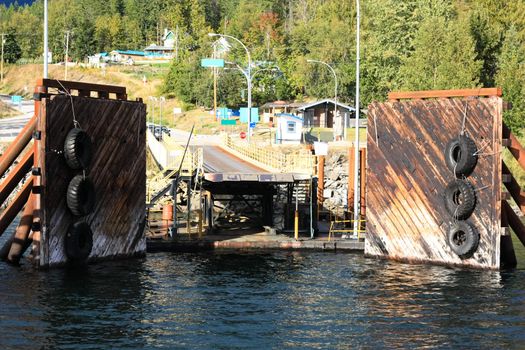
(12, 51)
(410, 44)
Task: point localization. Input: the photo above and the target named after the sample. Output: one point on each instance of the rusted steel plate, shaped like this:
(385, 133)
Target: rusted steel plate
(118, 172)
(397, 95)
(407, 176)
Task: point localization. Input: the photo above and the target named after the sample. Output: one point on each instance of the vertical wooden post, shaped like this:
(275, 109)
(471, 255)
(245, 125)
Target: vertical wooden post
(507, 254)
(362, 155)
(320, 181)
(21, 239)
(39, 253)
(351, 170)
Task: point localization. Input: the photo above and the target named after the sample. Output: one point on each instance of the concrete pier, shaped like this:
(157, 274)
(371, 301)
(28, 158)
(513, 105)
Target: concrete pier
(253, 241)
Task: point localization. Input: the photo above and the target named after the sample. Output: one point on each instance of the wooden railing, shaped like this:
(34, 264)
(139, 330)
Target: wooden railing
(296, 162)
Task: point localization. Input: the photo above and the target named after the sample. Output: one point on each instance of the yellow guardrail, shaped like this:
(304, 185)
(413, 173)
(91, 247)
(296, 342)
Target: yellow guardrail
(300, 161)
(361, 228)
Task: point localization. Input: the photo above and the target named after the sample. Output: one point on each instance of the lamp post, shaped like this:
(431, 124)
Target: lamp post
(46, 49)
(247, 73)
(161, 102)
(356, 156)
(335, 78)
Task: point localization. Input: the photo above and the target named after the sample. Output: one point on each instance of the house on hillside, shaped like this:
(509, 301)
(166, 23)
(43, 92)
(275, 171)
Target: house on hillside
(126, 56)
(164, 51)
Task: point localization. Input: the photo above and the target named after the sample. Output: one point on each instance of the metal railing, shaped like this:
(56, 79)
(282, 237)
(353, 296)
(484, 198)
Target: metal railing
(361, 230)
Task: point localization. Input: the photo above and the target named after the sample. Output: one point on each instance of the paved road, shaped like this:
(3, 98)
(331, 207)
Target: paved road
(217, 160)
(10, 127)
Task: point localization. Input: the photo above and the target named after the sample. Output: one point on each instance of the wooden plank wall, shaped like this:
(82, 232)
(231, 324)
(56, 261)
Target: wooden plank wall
(118, 171)
(407, 177)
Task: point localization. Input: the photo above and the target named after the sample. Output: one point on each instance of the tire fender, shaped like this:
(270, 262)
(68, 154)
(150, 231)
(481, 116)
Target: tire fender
(78, 149)
(78, 242)
(80, 196)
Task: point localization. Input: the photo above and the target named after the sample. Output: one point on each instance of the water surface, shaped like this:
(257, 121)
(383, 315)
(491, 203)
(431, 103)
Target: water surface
(264, 300)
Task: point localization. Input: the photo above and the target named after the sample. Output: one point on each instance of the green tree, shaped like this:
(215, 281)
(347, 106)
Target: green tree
(511, 77)
(444, 57)
(12, 51)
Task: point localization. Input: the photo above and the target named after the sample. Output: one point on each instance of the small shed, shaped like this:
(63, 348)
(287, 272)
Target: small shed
(289, 128)
(321, 113)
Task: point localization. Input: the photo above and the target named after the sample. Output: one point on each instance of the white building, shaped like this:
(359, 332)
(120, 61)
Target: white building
(289, 128)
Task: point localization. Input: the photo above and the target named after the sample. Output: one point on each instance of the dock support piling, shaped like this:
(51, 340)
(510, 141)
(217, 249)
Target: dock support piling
(21, 239)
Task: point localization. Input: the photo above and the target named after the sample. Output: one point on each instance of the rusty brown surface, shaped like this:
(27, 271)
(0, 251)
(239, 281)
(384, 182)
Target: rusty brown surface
(17, 146)
(12, 210)
(320, 183)
(14, 177)
(21, 238)
(362, 179)
(117, 170)
(515, 148)
(84, 89)
(407, 176)
(418, 95)
(514, 222)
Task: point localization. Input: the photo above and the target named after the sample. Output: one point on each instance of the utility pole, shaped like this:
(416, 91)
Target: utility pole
(66, 59)
(215, 83)
(2, 35)
(46, 48)
(356, 156)
(247, 74)
(215, 92)
(177, 43)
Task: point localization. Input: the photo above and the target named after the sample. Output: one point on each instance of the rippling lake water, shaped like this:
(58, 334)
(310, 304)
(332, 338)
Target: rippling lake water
(264, 300)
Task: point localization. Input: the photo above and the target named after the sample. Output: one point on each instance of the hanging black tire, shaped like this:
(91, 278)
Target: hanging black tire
(460, 199)
(79, 242)
(463, 239)
(77, 149)
(80, 196)
(461, 156)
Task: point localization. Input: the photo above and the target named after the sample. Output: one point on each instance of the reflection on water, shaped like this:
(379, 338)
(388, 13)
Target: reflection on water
(264, 300)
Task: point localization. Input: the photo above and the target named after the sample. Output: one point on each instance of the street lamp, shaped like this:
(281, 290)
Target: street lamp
(356, 156)
(161, 101)
(335, 78)
(46, 49)
(247, 73)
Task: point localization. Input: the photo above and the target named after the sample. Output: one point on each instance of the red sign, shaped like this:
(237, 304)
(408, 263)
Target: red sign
(243, 135)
